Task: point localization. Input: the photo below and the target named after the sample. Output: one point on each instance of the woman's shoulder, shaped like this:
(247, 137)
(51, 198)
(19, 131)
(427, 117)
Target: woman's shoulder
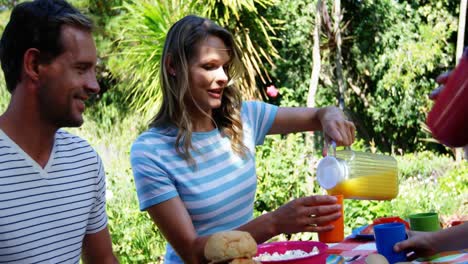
(256, 107)
(156, 136)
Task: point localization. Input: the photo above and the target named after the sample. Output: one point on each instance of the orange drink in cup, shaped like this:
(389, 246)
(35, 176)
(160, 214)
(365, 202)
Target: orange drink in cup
(337, 233)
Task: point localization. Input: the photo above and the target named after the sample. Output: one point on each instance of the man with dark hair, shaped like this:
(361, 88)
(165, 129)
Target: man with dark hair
(52, 185)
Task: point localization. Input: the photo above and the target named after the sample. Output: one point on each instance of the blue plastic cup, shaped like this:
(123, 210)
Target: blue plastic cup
(386, 236)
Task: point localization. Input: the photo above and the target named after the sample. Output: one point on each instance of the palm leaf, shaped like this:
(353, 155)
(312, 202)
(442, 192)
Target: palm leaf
(253, 33)
(141, 33)
(143, 29)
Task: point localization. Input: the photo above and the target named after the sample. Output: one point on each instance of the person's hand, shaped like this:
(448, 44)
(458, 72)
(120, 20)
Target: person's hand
(306, 214)
(420, 243)
(335, 126)
(441, 80)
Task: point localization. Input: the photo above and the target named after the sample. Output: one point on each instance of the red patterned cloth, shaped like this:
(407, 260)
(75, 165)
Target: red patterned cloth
(352, 247)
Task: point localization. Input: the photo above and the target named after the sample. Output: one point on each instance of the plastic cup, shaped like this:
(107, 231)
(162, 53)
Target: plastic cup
(447, 118)
(424, 222)
(386, 236)
(337, 233)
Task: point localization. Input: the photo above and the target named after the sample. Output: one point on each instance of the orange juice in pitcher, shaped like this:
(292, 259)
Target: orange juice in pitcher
(359, 175)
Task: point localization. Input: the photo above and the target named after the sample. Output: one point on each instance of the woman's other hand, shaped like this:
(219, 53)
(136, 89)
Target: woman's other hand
(306, 214)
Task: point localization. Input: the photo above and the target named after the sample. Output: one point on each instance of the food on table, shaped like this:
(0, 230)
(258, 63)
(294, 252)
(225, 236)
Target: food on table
(376, 259)
(233, 247)
(243, 261)
(289, 254)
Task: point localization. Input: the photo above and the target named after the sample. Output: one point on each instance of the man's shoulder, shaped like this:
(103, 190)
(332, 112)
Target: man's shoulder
(67, 141)
(71, 147)
(65, 136)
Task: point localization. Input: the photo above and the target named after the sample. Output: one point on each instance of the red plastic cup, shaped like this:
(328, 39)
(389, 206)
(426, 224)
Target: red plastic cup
(337, 233)
(448, 118)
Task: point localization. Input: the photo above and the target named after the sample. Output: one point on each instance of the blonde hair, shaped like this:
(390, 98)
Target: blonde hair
(180, 47)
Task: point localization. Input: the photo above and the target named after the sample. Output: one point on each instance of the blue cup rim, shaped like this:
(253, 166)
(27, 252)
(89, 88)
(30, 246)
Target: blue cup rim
(388, 225)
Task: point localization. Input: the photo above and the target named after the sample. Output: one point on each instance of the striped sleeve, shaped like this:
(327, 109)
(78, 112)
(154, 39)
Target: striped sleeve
(152, 183)
(98, 218)
(261, 116)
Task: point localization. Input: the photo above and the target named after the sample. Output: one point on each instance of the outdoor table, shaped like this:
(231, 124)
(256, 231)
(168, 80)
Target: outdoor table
(352, 247)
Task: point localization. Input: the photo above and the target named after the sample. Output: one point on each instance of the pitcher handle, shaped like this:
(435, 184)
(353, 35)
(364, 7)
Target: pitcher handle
(353, 154)
(327, 149)
(332, 147)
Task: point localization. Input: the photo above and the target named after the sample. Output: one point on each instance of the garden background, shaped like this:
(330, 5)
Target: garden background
(377, 60)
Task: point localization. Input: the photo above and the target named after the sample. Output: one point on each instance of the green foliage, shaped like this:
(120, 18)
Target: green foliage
(283, 171)
(9, 4)
(140, 33)
(4, 17)
(397, 51)
(445, 194)
(289, 97)
(426, 164)
(362, 212)
(4, 95)
(253, 31)
(392, 52)
(294, 41)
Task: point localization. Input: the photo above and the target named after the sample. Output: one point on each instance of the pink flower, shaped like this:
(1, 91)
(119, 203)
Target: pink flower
(272, 92)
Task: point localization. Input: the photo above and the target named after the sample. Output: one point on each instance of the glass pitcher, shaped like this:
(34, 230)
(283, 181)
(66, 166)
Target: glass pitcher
(358, 175)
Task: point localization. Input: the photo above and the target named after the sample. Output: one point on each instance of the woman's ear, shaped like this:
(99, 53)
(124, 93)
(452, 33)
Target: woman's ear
(169, 66)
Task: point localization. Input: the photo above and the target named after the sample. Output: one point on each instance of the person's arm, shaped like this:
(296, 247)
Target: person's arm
(97, 244)
(174, 222)
(425, 244)
(330, 120)
(306, 214)
(97, 248)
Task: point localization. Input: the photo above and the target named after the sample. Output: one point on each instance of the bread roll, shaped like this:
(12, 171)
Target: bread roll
(229, 245)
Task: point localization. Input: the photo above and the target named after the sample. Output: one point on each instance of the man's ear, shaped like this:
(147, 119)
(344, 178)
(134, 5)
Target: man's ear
(31, 63)
(169, 65)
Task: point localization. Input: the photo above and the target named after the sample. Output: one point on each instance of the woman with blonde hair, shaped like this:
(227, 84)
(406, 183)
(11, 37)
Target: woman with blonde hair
(194, 168)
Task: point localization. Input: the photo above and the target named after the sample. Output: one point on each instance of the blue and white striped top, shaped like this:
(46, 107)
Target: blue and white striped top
(46, 212)
(219, 193)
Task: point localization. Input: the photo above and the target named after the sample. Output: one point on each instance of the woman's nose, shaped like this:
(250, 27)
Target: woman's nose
(221, 76)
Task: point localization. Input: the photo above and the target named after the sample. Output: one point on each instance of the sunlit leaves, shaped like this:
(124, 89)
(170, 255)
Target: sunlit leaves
(141, 32)
(253, 33)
